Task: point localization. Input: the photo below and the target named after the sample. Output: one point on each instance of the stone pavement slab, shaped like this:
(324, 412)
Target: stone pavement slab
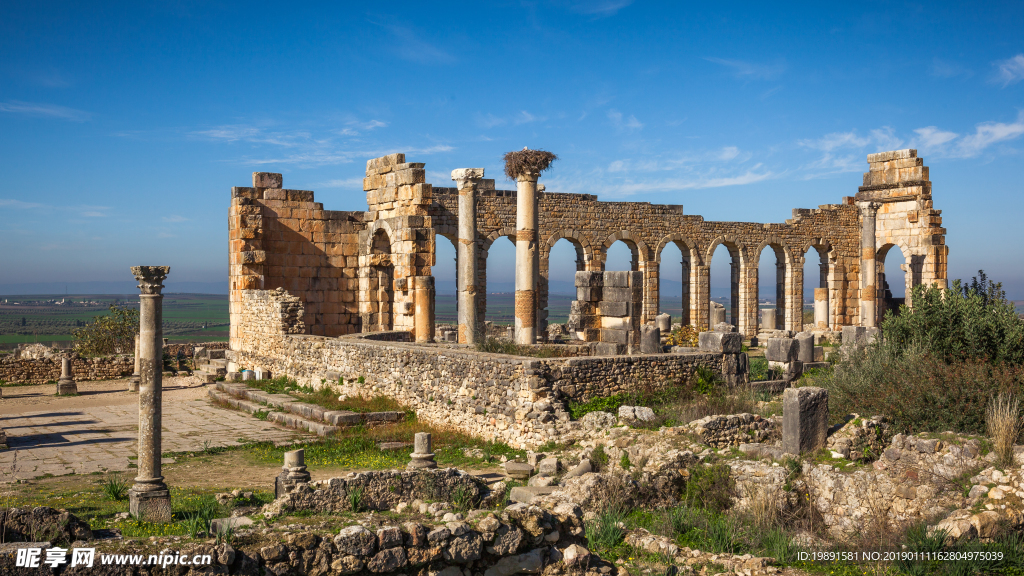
(65, 440)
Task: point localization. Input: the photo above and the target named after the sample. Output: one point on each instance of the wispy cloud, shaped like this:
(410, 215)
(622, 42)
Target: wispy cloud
(931, 138)
(1011, 70)
(989, 133)
(341, 183)
(743, 69)
(409, 46)
(92, 214)
(836, 140)
(844, 151)
(944, 69)
(44, 110)
(488, 120)
(620, 122)
(599, 7)
(10, 203)
(756, 173)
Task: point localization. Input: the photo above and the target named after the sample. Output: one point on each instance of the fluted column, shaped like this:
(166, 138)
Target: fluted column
(868, 269)
(526, 258)
(467, 180)
(149, 499)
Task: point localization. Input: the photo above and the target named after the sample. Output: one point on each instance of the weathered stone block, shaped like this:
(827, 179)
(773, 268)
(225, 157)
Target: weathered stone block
(720, 342)
(609, 308)
(615, 336)
(616, 279)
(804, 419)
(650, 339)
(782, 350)
(267, 180)
(805, 347)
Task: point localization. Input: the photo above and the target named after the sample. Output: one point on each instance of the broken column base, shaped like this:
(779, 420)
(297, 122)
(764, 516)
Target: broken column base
(286, 482)
(66, 387)
(151, 505)
(133, 383)
(421, 462)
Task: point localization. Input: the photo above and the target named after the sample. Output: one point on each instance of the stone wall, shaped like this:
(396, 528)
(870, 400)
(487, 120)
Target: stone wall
(607, 310)
(43, 370)
(357, 271)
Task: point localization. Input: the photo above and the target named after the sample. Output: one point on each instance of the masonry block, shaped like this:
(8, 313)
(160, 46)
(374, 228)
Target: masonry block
(782, 350)
(804, 419)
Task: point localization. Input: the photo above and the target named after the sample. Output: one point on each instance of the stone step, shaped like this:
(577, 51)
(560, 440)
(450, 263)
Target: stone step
(284, 418)
(219, 363)
(208, 377)
(217, 354)
(305, 410)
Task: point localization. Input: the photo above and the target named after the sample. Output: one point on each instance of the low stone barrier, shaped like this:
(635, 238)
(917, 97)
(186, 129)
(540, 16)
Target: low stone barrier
(43, 370)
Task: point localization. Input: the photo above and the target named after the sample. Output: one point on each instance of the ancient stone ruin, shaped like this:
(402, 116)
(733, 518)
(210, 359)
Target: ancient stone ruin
(351, 293)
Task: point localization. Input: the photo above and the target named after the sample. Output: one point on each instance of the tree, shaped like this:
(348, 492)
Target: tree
(110, 334)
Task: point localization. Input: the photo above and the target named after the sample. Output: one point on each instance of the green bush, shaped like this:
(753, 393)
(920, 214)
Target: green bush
(973, 322)
(111, 334)
(710, 487)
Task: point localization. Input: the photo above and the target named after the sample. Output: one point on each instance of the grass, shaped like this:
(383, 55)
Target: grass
(115, 488)
(1002, 417)
(327, 396)
(357, 448)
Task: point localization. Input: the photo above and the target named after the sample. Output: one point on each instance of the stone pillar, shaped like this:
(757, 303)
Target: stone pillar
(664, 323)
(467, 179)
(423, 306)
(684, 318)
(133, 383)
(422, 456)
(66, 385)
(768, 319)
(779, 320)
(293, 472)
(526, 258)
(868, 269)
(734, 290)
(804, 419)
(149, 499)
(821, 308)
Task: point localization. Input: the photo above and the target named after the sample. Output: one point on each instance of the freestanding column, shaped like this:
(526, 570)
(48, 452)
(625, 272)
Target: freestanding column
(66, 385)
(821, 308)
(868, 270)
(133, 384)
(467, 179)
(149, 499)
(526, 257)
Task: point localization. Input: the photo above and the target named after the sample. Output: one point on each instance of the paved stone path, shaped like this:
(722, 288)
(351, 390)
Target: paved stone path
(67, 440)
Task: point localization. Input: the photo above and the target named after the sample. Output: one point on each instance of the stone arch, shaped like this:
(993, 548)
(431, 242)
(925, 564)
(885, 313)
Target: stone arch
(493, 236)
(910, 275)
(381, 288)
(689, 276)
(824, 308)
(584, 251)
(784, 267)
(737, 288)
(483, 254)
(378, 226)
(641, 253)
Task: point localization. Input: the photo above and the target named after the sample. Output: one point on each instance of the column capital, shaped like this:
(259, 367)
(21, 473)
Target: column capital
(528, 176)
(467, 177)
(868, 208)
(151, 278)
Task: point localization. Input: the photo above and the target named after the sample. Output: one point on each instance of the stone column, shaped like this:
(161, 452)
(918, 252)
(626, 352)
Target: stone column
(821, 308)
(149, 499)
(66, 385)
(133, 383)
(868, 269)
(423, 307)
(684, 318)
(467, 179)
(779, 320)
(768, 319)
(422, 456)
(293, 472)
(526, 258)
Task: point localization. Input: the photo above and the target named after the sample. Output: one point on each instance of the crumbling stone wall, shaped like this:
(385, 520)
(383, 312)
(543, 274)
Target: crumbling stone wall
(607, 310)
(43, 370)
(370, 270)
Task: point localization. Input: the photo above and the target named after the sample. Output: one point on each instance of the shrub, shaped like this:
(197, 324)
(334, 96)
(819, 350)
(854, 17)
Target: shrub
(111, 334)
(710, 487)
(683, 336)
(918, 390)
(966, 323)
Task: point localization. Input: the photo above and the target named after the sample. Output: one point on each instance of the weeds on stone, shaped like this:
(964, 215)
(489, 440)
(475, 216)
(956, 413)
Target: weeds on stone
(1002, 418)
(355, 499)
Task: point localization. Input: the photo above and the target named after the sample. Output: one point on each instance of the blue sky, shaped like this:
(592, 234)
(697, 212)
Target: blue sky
(125, 124)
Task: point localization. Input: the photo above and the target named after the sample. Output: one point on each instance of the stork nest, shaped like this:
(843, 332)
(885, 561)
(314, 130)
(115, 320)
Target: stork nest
(525, 161)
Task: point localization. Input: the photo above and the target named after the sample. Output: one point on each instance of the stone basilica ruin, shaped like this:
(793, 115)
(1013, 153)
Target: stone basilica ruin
(320, 294)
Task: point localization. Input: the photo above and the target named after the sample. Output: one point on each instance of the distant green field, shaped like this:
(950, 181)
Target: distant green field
(52, 318)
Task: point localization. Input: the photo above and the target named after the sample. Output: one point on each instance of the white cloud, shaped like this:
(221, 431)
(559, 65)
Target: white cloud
(620, 122)
(930, 137)
(1011, 70)
(752, 175)
(885, 138)
(989, 133)
(19, 204)
(46, 110)
(409, 46)
(743, 69)
(728, 153)
(599, 7)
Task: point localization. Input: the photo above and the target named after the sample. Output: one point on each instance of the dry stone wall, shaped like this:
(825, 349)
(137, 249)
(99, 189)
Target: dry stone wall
(43, 370)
